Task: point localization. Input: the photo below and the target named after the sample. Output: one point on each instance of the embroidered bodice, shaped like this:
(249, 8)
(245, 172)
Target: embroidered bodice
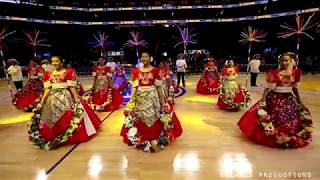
(102, 71)
(60, 79)
(279, 79)
(145, 78)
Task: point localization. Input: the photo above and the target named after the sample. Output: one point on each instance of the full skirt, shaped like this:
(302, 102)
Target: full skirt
(106, 99)
(62, 122)
(283, 122)
(208, 85)
(28, 97)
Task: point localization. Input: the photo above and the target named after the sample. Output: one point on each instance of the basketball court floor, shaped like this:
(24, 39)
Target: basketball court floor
(211, 147)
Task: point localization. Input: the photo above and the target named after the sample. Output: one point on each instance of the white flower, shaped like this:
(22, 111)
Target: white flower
(47, 147)
(132, 131)
(269, 128)
(262, 104)
(262, 112)
(128, 121)
(147, 147)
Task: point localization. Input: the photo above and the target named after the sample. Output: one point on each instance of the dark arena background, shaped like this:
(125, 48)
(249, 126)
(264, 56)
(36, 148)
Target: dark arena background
(212, 145)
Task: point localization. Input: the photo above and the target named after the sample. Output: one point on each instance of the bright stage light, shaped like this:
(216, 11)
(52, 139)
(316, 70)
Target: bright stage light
(186, 162)
(202, 99)
(16, 119)
(235, 165)
(95, 166)
(41, 175)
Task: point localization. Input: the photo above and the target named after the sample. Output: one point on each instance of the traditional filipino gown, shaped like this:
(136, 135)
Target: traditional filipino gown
(145, 127)
(30, 95)
(232, 96)
(282, 121)
(120, 79)
(106, 98)
(167, 83)
(60, 120)
(210, 81)
(79, 87)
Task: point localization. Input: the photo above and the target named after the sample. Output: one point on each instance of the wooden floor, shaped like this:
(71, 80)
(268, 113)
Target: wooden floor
(211, 146)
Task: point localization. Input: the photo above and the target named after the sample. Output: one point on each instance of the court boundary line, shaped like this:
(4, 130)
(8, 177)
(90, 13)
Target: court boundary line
(57, 163)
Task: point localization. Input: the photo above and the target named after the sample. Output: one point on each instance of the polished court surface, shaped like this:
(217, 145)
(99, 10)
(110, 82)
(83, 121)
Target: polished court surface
(211, 147)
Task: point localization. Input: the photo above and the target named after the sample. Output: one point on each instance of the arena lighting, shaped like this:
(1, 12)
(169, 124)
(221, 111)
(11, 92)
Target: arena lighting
(150, 8)
(163, 7)
(149, 22)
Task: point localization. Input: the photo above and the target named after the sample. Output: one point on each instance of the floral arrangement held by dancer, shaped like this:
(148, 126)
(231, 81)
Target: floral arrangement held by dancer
(279, 119)
(61, 117)
(210, 81)
(104, 96)
(150, 123)
(232, 95)
(30, 95)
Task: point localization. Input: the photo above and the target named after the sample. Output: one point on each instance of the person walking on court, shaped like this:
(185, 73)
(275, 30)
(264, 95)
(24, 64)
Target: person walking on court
(181, 69)
(253, 68)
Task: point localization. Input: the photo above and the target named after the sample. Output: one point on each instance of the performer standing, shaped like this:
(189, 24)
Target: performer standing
(61, 117)
(167, 82)
(104, 96)
(181, 69)
(253, 68)
(30, 95)
(111, 64)
(210, 81)
(16, 73)
(279, 119)
(120, 78)
(232, 95)
(149, 123)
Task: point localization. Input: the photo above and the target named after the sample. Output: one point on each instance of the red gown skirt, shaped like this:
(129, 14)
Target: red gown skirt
(285, 114)
(105, 94)
(28, 97)
(80, 134)
(153, 132)
(207, 85)
(238, 98)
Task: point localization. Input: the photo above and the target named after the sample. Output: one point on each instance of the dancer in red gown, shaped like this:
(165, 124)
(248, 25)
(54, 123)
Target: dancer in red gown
(30, 95)
(120, 79)
(150, 123)
(232, 95)
(210, 81)
(79, 87)
(166, 76)
(279, 119)
(61, 117)
(104, 97)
